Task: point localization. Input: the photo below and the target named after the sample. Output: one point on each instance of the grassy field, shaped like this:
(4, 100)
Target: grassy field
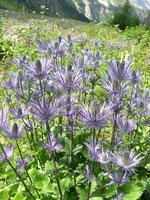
(115, 162)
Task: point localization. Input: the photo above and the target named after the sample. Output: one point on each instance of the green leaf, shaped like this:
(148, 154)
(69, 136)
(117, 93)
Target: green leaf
(110, 191)
(82, 193)
(96, 198)
(19, 196)
(65, 184)
(4, 194)
(39, 178)
(77, 149)
(134, 191)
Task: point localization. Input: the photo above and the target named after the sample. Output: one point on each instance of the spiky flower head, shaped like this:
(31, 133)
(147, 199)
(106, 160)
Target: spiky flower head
(39, 69)
(94, 116)
(135, 77)
(6, 155)
(14, 132)
(23, 163)
(68, 80)
(117, 177)
(119, 70)
(52, 144)
(113, 87)
(20, 60)
(127, 160)
(93, 148)
(126, 125)
(45, 109)
(20, 112)
(103, 156)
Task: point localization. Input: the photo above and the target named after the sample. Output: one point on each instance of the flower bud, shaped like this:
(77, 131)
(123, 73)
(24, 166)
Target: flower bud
(68, 99)
(38, 65)
(69, 67)
(69, 37)
(15, 128)
(19, 111)
(69, 78)
(59, 38)
(49, 51)
(56, 45)
(121, 67)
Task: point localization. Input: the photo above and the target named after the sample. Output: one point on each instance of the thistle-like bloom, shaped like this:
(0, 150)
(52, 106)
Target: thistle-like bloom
(135, 77)
(8, 153)
(14, 133)
(53, 47)
(11, 84)
(45, 109)
(86, 175)
(23, 163)
(68, 80)
(117, 177)
(3, 119)
(125, 125)
(93, 148)
(52, 144)
(19, 61)
(103, 156)
(126, 160)
(113, 87)
(39, 69)
(20, 112)
(119, 70)
(94, 116)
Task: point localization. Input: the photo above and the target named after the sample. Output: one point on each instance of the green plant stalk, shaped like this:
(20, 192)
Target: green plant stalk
(17, 173)
(54, 163)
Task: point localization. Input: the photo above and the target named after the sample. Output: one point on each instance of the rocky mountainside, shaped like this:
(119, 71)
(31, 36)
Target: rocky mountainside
(84, 10)
(101, 10)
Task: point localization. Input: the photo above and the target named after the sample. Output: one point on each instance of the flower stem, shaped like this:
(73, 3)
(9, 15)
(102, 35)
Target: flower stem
(54, 163)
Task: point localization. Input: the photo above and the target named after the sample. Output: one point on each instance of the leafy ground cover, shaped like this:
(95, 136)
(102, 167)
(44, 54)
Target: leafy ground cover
(75, 108)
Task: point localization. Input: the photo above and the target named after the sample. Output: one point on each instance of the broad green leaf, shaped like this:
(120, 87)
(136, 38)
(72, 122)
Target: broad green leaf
(4, 194)
(19, 196)
(96, 198)
(39, 178)
(110, 191)
(65, 184)
(82, 193)
(134, 191)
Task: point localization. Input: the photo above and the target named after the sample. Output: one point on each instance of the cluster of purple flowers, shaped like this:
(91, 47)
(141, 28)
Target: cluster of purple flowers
(49, 92)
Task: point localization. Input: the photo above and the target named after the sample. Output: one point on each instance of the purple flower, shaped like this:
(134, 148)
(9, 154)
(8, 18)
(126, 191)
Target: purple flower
(113, 87)
(134, 77)
(11, 84)
(117, 177)
(23, 163)
(119, 70)
(8, 153)
(94, 116)
(103, 156)
(14, 133)
(3, 119)
(68, 80)
(93, 148)
(86, 175)
(20, 61)
(45, 110)
(39, 69)
(127, 160)
(20, 112)
(52, 144)
(125, 125)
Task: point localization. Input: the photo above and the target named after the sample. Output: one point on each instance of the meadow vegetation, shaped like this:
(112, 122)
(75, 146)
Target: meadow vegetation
(75, 110)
